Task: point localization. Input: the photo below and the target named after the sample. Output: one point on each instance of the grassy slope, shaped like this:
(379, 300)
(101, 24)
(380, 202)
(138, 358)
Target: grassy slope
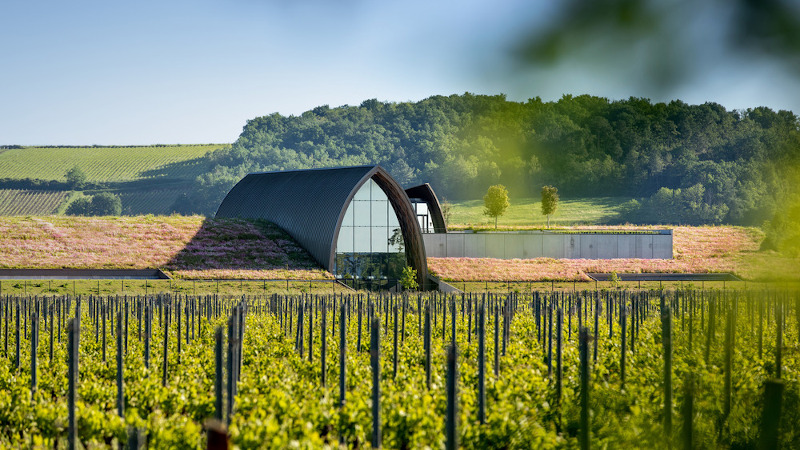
(527, 212)
(104, 164)
(159, 174)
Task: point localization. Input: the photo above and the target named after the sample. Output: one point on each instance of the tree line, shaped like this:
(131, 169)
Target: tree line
(681, 163)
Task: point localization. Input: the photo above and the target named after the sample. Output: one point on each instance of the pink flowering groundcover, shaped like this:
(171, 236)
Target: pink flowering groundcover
(184, 246)
(695, 250)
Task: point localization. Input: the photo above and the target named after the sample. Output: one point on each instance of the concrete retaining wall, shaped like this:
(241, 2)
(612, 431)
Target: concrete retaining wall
(538, 244)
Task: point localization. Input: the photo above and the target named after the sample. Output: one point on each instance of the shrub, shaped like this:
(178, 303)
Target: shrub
(409, 278)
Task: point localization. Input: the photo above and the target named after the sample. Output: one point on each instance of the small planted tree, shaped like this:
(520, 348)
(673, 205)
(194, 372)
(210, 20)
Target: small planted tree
(495, 202)
(409, 278)
(549, 201)
(447, 211)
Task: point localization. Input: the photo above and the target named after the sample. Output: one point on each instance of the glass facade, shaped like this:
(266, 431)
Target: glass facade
(423, 215)
(370, 247)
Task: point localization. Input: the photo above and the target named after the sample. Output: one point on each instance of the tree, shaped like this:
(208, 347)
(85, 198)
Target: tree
(80, 207)
(495, 202)
(106, 204)
(102, 204)
(549, 201)
(76, 178)
(447, 211)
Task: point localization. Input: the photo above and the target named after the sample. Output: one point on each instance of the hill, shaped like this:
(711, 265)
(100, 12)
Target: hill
(683, 164)
(105, 164)
(674, 162)
(148, 179)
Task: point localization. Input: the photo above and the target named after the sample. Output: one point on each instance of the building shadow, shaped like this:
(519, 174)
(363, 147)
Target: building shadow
(226, 248)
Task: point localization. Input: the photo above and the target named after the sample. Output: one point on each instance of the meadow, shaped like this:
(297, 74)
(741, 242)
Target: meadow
(527, 212)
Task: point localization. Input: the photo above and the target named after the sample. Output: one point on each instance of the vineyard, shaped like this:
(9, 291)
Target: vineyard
(104, 164)
(21, 202)
(542, 369)
(155, 201)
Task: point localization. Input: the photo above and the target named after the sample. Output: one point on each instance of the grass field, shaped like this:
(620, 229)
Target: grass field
(527, 212)
(22, 202)
(105, 164)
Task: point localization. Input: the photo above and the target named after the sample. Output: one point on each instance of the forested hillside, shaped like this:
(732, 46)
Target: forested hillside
(685, 163)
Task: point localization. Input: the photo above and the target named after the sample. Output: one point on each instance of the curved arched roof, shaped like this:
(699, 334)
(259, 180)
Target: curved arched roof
(310, 206)
(425, 192)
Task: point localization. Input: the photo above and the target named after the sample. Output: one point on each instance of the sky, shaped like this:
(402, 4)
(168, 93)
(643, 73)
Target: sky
(190, 72)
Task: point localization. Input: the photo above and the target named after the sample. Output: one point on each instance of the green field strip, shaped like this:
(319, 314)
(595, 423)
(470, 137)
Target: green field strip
(528, 212)
(105, 164)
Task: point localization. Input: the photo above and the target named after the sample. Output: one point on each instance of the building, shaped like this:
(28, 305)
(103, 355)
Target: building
(357, 222)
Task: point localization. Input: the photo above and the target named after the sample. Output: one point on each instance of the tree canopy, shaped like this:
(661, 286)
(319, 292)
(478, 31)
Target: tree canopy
(549, 201)
(76, 178)
(102, 204)
(728, 165)
(495, 202)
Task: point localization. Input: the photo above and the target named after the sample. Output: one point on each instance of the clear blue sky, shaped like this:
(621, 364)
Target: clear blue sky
(146, 72)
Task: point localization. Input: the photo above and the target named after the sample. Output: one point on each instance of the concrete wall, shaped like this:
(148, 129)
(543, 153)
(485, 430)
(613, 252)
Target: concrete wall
(537, 244)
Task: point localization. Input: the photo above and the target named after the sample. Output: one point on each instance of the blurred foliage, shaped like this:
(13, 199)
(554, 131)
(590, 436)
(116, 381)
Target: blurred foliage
(783, 230)
(672, 40)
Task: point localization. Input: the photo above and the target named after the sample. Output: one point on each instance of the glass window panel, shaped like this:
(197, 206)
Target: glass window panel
(396, 243)
(423, 223)
(393, 222)
(380, 213)
(380, 239)
(377, 192)
(395, 263)
(362, 240)
(422, 208)
(364, 192)
(348, 216)
(344, 244)
(361, 213)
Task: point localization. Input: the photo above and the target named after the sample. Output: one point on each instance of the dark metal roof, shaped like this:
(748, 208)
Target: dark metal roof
(310, 206)
(425, 192)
